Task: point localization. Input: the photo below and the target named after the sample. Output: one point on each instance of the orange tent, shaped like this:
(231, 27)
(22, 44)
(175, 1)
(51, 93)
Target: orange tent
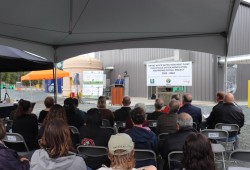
(44, 75)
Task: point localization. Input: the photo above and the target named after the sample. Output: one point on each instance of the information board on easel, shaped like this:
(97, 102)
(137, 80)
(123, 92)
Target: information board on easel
(92, 84)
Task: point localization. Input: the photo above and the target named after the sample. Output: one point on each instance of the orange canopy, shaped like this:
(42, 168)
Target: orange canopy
(44, 75)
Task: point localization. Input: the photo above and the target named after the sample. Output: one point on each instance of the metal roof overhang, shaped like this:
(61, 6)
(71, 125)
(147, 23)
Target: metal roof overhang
(61, 29)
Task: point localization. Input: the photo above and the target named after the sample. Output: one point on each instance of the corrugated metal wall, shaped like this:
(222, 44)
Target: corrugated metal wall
(203, 87)
(240, 37)
(207, 75)
(132, 60)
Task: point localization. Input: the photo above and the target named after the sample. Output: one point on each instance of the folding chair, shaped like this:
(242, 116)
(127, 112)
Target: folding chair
(216, 134)
(240, 155)
(106, 123)
(76, 135)
(94, 156)
(112, 130)
(145, 155)
(16, 142)
(232, 130)
(174, 159)
(120, 126)
(8, 125)
(152, 124)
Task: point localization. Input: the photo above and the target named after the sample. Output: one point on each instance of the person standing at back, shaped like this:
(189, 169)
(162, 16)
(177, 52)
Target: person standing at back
(192, 110)
(26, 124)
(119, 81)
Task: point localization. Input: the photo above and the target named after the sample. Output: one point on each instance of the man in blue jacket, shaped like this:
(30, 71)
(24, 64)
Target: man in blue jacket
(119, 81)
(193, 111)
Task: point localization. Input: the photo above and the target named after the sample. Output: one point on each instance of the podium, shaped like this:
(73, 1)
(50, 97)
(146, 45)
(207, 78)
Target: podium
(116, 95)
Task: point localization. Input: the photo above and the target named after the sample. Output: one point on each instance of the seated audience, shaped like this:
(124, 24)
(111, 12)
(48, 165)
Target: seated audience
(105, 113)
(73, 119)
(158, 106)
(56, 111)
(9, 158)
(166, 123)
(143, 137)
(129, 123)
(226, 112)
(198, 153)
(12, 113)
(56, 149)
(194, 111)
(173, 97)
(175, 141)
(121, 154)
(92, 133)
(48, 102)
(122, 114)
(26, 124)
(78, 111)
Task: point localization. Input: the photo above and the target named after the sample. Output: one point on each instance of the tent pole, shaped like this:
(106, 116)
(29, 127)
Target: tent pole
(55, 82)
(225, 75)
(0, 87)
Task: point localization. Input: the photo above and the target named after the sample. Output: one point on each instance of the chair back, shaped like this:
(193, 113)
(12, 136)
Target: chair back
(121, 126)
(106, 123)
(112, 130)
(232, 129)
(145, 155)
(152, 123)
(240, 155)
(8, 124)
(215, 134)
(174, 159)
(74, 130)
(15, 141)
(94, 156)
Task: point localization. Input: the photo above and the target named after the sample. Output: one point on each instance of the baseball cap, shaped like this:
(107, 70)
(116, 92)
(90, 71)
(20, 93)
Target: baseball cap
(120, 141)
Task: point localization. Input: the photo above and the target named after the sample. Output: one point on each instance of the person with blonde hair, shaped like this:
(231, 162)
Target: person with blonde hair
(121, 154)
(56, 149)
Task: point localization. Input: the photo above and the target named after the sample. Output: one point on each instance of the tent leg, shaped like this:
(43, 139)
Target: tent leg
(55, 82)
(225, 75)
(0, 87)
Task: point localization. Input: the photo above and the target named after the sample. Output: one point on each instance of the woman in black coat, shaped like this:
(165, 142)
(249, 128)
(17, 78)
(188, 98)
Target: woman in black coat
(26, 124)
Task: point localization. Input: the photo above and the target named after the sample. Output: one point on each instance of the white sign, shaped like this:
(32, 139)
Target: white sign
(92, 84)
(169, 74)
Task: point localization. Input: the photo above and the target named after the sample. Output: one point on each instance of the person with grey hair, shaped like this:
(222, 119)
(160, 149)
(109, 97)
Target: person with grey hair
(142, 106)
(175, 141)
(166, 123)
(158, 106)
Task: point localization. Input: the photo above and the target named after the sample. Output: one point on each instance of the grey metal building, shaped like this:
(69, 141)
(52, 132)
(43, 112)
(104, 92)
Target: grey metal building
(207, 72)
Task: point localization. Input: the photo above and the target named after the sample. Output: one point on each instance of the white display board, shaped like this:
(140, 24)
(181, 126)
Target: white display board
(169, 74)
(92, 84)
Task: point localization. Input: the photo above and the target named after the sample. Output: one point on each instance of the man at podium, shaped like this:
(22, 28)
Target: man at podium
(119, 82)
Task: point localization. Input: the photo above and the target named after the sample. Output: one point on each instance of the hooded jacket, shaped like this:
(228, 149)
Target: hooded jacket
(41, 161)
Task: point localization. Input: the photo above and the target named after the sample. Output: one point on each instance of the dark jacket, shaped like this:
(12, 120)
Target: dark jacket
(42, 116)
(27, 126)
(74, 119)
(95, 136)
(143, 139)
(122, 114)
(193, 111)
(154, 115)
(166, 123)
(10, 160)
(226, 113)
(174, 142)
(107, 114)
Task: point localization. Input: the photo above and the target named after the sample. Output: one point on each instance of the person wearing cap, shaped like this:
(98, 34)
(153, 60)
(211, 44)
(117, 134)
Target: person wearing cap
(121, 154)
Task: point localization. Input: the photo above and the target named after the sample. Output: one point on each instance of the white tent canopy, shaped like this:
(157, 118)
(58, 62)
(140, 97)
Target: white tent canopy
(60, 29)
